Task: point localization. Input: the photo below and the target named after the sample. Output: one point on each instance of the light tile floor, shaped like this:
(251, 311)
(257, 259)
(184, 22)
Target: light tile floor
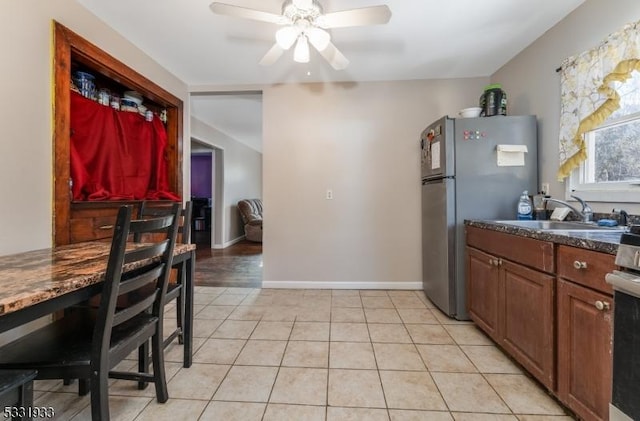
(324, 355)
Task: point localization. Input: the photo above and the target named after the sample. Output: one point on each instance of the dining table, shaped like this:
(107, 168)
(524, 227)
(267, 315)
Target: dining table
(37, 283)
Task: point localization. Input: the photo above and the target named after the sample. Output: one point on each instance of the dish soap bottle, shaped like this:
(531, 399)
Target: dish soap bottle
(525, 208)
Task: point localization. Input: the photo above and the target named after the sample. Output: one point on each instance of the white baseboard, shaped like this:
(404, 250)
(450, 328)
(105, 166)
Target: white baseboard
(228, 243)
(617, 415)
(342, 285)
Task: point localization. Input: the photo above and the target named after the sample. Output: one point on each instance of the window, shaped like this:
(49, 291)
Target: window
(612, 169)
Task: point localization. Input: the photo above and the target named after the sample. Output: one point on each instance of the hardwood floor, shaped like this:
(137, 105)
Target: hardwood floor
(239, 265)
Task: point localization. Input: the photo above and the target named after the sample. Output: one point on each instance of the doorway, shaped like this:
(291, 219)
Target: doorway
(206, 194)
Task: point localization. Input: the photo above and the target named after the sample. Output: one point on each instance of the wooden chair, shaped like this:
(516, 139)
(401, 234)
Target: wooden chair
(174, 290)
(78, 346)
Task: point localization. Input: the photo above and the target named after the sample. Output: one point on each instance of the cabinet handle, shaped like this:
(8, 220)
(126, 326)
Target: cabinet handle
(499, 262)
(579, 265)
(105, 227)
(602, 305)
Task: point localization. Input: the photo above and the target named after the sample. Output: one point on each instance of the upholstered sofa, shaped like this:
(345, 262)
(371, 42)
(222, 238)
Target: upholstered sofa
(251, 213)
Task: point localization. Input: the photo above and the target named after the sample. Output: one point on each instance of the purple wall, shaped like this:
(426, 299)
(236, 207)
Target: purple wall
(201, 166)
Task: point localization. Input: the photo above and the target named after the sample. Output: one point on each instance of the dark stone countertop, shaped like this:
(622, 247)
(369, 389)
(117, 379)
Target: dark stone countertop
(601, 241)
(35, 276)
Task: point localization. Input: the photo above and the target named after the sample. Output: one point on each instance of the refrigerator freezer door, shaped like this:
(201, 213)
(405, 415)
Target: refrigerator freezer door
(437, 149)
(438, 235)
(486, 190)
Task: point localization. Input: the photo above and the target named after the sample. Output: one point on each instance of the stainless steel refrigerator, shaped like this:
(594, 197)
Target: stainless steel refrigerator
(472, 168)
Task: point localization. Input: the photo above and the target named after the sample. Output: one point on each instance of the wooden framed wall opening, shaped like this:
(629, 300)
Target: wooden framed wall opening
(75, 221)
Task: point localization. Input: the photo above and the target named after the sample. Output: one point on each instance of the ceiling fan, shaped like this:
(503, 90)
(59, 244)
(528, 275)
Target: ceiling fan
(304, 22)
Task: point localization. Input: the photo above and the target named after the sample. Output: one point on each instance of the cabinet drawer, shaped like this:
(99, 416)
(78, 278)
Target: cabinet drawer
(93, 221)
(527, 251)
(92, 228)
(585, 267)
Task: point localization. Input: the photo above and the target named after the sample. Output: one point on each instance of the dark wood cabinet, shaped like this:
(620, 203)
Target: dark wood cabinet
(527, 332)
(483, 291)
(514, 305)
(528, 252)
(585, 326)
(75, 221)
(550, 308)
(585, 267)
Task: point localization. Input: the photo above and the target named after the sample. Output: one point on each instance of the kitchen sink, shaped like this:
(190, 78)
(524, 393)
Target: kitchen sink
(551, 226)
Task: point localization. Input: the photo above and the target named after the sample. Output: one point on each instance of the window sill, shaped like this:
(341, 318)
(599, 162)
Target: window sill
(631, 195)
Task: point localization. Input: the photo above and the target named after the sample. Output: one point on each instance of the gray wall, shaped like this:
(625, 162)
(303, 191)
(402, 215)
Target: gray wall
(533, 86)
(362, 141)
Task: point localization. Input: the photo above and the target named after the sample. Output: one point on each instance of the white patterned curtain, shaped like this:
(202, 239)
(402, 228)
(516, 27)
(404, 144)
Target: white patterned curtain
(588, 96)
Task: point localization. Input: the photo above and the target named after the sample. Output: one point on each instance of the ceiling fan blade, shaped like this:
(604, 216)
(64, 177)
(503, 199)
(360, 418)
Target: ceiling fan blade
(245, 13)
(336, 59)
(272, 55)
(374, 15)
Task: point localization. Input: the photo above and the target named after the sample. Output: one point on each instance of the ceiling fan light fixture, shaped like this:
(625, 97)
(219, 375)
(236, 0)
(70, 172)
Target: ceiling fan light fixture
(287, 36)
(319, 38)
(304, 22)
(301, 53)
(296, 9)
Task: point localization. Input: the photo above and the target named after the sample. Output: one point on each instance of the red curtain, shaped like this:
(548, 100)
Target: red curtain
(116, 155)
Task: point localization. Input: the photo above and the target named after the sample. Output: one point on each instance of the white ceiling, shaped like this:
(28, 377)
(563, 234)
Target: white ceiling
(238, 115)
(425, 39)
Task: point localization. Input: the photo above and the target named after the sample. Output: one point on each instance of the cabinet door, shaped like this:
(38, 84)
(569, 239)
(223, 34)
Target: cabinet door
(483, 291)
(529, 319)
(585, 319)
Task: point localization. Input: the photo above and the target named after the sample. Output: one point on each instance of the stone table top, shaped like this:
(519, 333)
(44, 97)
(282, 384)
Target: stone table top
(35, 276)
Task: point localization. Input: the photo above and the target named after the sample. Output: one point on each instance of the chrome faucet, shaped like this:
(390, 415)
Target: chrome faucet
(586, 213)
(623, 216)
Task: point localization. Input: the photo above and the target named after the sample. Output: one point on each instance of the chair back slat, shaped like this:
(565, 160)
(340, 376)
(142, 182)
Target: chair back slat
(133, 310)
(147, 252)
(138, 281)
(151, 223)
(154, 210)
(144, 285)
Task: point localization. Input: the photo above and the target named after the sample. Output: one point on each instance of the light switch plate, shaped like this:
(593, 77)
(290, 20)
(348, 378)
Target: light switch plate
(560, 213)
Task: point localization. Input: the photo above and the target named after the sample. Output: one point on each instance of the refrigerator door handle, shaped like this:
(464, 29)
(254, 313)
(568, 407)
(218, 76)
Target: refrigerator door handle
(437, 179)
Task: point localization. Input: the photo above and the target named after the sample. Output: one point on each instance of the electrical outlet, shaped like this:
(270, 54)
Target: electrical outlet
(329, 194)
(545, 188)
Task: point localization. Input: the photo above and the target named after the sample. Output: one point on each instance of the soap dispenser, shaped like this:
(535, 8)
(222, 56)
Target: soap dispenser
(525, 208)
